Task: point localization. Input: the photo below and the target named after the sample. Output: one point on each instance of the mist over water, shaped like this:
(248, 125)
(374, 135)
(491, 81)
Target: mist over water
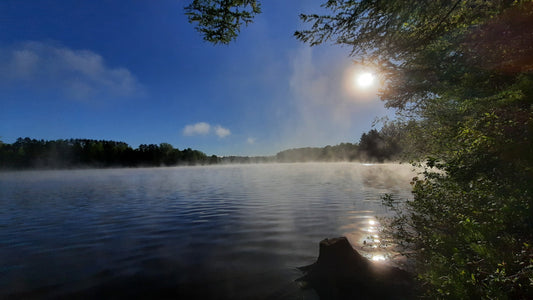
(214, 231)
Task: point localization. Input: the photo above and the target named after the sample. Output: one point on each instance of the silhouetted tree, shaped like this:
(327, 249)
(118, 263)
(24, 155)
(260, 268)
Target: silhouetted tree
(31, 153)
(220, 21)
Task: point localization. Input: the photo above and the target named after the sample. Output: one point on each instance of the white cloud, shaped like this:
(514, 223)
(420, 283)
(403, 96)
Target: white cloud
(200, 128)
(24, 63)
(221, 131)
(203, 128)
(78, 74)
(250, 140)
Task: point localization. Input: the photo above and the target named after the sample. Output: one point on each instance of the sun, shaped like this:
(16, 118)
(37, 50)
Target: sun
(361, 83)
(364, 80)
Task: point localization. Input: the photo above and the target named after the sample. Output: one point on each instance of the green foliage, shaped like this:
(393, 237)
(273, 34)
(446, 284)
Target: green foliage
(472, 238)
(220, 21)
(461, 74)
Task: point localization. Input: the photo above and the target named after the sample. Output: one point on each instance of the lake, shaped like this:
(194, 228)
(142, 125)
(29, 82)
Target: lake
(217, 232)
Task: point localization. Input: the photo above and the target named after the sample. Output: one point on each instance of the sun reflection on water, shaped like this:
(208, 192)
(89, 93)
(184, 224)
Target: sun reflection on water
(367, 241)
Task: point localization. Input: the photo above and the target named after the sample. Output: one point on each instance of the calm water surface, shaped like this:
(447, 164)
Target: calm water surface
(218, 232)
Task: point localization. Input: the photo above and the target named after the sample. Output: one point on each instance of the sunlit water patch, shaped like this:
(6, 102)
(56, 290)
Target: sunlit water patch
(198, 232)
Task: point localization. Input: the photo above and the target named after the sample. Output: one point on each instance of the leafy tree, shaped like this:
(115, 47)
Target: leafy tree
(220, 21)
(372, 146)
(461, 73)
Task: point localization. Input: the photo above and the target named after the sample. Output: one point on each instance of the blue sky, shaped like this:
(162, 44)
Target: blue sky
(138, 72)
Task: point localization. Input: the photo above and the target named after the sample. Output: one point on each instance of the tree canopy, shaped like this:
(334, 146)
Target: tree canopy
(220, 21)
(461, 72)
(422, 49)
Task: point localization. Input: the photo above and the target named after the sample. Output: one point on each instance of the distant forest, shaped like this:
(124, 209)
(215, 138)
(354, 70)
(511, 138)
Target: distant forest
(27, 153)
(85, 153)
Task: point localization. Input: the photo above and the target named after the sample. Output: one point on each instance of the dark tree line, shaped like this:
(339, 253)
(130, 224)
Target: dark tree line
(27, 153)
(374, 146)
(386, 144)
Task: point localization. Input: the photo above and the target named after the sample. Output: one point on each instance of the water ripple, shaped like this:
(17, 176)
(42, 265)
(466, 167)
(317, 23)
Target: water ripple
(203, 232)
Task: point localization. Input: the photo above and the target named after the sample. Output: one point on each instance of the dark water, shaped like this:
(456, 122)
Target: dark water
(218, 232)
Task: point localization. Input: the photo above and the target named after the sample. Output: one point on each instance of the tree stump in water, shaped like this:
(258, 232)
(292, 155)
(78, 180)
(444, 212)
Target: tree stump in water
(340, 272)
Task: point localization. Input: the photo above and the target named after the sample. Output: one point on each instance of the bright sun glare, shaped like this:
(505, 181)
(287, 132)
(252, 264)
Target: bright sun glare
(365, 80)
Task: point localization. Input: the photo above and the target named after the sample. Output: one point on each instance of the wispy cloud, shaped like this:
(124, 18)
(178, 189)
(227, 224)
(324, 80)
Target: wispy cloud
(222, 132)
(203, 128)
(78, 74)
(200, 128)
(325, 104)
(250, 140)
